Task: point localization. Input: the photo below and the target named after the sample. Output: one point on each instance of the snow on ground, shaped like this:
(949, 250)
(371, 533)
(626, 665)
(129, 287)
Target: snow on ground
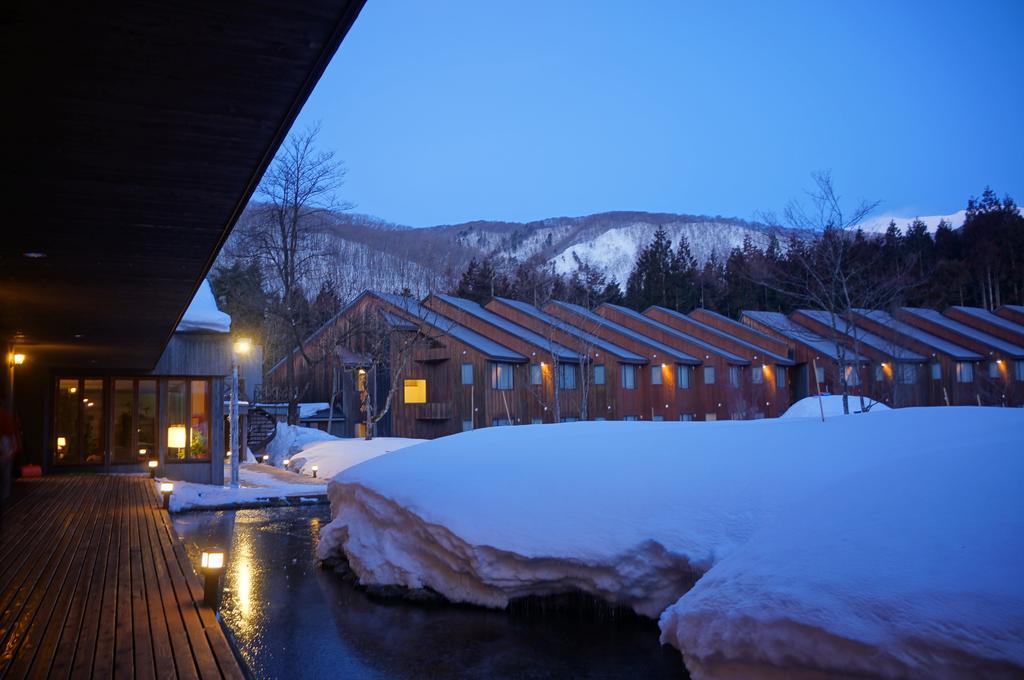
(290, 439)
(259, 483)
(912, 568)
(203, 315)
(635, 513)
(340, 454)
(808, 407)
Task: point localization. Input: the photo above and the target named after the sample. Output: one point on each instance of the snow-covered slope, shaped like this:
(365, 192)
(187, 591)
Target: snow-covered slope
(879, 224)
(636, 513)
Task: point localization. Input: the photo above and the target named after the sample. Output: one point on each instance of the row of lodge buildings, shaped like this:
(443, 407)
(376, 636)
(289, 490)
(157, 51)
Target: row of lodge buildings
(457, 365)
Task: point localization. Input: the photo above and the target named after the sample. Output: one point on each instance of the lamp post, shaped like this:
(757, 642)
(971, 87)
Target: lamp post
(241, 347)
(316, 469)
(212, 564)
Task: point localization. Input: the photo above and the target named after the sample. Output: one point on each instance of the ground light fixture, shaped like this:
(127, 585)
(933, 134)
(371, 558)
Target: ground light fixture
(316, 468)
(211, 563)
(166, 489)
(153, 465)
(286, 462)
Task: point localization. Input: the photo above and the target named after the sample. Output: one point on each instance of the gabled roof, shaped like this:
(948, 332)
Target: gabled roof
(992, 318)
(786, 327)
(776, 358)
(589, 338)
(670, 352)
(668, 330)
(484, 345)
(734, 322)
(1004, 346)
(869, 339)
(525, 334)
(945, 346)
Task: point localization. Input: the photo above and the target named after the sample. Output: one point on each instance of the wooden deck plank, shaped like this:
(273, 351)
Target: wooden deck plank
(97, 584)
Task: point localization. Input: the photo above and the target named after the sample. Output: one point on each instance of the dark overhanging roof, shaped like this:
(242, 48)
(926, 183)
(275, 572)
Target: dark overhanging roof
(137, 134)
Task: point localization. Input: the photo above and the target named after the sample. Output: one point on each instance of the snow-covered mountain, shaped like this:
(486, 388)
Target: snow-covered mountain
(879, 224)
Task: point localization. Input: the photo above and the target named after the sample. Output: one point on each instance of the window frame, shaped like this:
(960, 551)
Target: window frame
(630, 371)
(603, 374)
(656, 378)
(466, 366)
(497, 380)
(709, 371)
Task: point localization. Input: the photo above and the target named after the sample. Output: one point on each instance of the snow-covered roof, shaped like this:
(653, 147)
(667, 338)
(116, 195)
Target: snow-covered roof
(778, 359)
(600, 321)
(589, 338)
(992, 319)
(490, 348)
(736, 324)
(945, 346)
(524, 334)
(869, 339)
(1008, 348)
(786, 327)
(202, 315)
(668, 330)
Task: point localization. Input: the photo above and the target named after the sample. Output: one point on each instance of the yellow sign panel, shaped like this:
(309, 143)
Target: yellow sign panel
(415, 391)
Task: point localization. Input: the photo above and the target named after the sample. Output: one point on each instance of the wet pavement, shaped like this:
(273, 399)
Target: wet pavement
(291, 619)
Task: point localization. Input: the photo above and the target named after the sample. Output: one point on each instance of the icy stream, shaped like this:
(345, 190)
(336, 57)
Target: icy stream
(291, 619)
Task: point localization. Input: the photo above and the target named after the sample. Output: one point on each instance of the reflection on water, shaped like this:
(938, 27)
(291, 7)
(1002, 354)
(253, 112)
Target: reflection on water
(290, 619)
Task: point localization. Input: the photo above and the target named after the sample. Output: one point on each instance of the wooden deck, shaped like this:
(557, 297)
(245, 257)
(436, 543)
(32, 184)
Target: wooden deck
(95, 583)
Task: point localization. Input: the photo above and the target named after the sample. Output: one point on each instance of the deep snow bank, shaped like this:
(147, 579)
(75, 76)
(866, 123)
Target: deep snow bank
(291, 439)
(832, 404)
(334, 455)
(911, 568)
(630, 512)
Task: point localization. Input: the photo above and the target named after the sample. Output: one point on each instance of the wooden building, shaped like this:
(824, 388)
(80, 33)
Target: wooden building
(816, 358)
(1014, 313)
(897, 376)
(998, 382)
(716, 380)
(952, 368)
(545, 387)
(765, 382)
(670, 395)
(606, 380)
(989, 322)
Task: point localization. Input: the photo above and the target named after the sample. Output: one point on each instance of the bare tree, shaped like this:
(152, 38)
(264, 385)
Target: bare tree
(826, 272)
(286, 236)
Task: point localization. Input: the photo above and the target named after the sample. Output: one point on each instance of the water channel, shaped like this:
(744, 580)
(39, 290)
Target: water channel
(291, 619)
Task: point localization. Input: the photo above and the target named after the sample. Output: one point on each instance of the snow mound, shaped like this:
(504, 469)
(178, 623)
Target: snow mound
(333, 456)
(291, 439)
(911, 568)
(203, 315)
(808, 407)
(630, 512)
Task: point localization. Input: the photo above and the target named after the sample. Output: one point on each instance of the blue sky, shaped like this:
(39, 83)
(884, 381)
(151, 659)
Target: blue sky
(456, 110)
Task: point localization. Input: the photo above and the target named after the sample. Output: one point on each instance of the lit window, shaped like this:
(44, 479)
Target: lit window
(501, 376)
(655, 375)
(709, 375)
(964, 372)
(536, 375)
(936, 371)
(683, 377)
(907, 373)
(415, 391)
(567, 376)
(757, 375)
(628, 377)
(734, 376)
(599, 374)
(467, 374)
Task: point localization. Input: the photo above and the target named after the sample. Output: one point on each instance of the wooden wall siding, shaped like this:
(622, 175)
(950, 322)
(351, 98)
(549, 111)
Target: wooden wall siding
(1014, 313)
(889, 390)
(1000, 327)
(804, 356)
(742, 331)
(719, 398)
(666, 400)
(197, 354)
(959, 394)
(764, 398)
(1002, 390)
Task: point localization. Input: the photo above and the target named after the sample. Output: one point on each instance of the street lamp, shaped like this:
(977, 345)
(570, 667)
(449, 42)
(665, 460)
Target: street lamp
(241, 348)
